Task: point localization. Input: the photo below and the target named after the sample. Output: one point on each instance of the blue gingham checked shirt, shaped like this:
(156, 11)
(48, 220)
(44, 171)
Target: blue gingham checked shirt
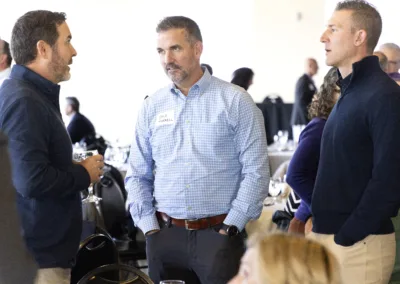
(198, 156)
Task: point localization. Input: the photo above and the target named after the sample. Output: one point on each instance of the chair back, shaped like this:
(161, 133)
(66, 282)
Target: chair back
(95, 251)
(125, 275)
(112, 206)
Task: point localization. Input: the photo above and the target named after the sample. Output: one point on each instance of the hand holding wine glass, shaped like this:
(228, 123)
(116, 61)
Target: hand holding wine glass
(94, 166)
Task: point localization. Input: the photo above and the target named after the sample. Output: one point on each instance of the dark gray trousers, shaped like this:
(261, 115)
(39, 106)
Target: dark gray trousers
(202, 256)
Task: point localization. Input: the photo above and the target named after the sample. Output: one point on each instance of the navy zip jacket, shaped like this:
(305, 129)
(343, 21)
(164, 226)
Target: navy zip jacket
(48, 184)
(357, 189)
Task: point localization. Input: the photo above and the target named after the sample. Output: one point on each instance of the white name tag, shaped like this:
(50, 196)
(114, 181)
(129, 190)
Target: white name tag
(165, 118)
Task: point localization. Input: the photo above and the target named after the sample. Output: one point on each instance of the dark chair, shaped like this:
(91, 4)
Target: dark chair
(130, 243)
(273, 99)
(116, 174)
(112, 206)
(126, 275)
(96, 250)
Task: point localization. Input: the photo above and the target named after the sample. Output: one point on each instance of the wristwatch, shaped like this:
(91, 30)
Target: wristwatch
(231, 230)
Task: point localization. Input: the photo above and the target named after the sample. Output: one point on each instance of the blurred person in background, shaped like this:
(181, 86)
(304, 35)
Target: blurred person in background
(79, 126)
(303, 166)
(243, 77)
(5, 60)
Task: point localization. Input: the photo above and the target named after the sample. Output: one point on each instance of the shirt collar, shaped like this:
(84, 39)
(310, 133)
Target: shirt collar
(201, 84)
(47, 88)
(365, 66)
(5, 73)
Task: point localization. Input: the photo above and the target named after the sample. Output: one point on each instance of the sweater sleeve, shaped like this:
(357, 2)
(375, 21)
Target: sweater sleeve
(304, 163)
(381, 197)
(34, 176)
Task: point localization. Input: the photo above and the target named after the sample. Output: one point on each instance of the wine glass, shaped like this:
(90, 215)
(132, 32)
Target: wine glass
(275, 189)
(79, 156)
(172, 282)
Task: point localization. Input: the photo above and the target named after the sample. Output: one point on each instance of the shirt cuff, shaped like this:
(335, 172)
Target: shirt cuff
(236, 218)
(148, 223)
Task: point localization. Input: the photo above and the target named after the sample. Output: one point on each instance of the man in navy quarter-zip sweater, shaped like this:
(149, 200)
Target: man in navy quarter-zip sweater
(47, 182)
(357, 189)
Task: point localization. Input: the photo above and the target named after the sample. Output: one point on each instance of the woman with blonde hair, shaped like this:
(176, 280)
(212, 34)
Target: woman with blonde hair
(287, 259)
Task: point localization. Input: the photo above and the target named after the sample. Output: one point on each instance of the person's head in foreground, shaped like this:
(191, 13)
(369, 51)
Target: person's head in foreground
(352, 34)
(286, 259)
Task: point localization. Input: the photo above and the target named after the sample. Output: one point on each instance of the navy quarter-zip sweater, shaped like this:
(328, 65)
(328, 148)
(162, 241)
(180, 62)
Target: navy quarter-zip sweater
(48, 184)
(357, 189)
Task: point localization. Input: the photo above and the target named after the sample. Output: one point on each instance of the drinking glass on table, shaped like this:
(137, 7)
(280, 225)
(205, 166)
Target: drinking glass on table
(275, 189)
(172, 282)
(79, 157)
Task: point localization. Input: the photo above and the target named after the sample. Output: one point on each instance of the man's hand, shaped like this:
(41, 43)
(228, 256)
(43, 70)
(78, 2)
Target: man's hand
(296, 226)
(223, 232)
(94, 166)
(309, 226)
(152, 232)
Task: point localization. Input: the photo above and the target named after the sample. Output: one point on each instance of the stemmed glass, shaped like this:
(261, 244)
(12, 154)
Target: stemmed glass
(275, 189)
(78, 157)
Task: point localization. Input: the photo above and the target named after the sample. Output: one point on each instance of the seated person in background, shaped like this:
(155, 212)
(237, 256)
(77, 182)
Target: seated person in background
(209, 68)
(243, 77)
(287, 259)
(392, 52)
(303, 167)
(79, 126)
(383, 61)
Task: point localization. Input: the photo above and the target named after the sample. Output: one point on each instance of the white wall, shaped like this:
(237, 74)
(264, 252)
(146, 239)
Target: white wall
(282, 42)
(117, 64)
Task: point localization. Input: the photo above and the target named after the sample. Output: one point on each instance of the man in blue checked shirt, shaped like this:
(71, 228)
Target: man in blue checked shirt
(198, 170)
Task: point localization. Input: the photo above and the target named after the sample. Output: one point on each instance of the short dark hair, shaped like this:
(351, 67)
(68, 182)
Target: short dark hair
(74, 103)
(179, 22)
(366, 17)
(6, 51)
(209, 68)
(324, 101)
(242, 77)
(31, 28)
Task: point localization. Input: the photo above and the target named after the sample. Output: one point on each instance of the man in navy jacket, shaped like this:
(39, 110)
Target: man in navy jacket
(47, 182)
(357, 187)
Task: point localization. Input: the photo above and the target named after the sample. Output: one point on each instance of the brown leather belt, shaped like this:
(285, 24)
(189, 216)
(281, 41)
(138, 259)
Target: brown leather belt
(193, 224)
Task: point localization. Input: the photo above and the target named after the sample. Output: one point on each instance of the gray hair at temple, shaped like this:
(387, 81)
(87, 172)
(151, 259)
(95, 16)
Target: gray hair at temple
(364, 17)
(390, 45)
(74, 103)
(193, 33)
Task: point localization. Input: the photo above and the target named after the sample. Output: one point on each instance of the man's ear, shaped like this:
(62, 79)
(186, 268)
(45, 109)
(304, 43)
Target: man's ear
(198, 49)
(43, 49)
(360, 37)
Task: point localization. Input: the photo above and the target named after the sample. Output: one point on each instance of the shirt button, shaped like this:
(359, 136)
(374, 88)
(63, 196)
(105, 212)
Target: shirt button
(189, 208)
(187, 121)
(187, 186)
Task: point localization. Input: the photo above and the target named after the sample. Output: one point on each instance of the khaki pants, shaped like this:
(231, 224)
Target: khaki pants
(369, 261)
(53, 276)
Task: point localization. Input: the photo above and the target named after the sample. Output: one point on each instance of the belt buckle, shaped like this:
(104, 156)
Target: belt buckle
(187, 222)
